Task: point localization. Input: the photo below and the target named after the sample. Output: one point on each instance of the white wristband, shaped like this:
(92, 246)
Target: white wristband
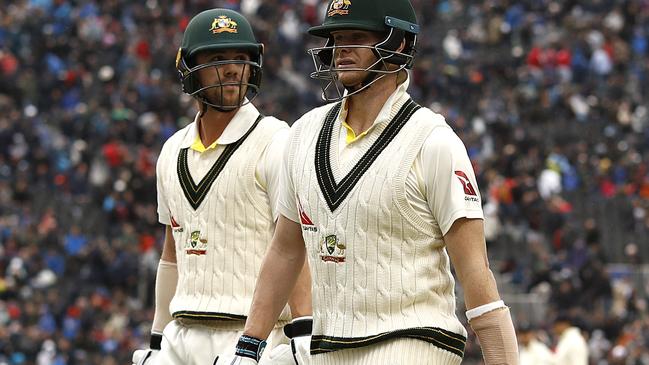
(302, 318)
(478, 311)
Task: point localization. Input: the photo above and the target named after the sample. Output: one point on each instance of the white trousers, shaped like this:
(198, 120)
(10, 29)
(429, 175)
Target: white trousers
(399, 351)
(199, 344)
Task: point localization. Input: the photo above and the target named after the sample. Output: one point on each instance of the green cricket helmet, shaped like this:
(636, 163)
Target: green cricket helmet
(395, 19)
(214, 30)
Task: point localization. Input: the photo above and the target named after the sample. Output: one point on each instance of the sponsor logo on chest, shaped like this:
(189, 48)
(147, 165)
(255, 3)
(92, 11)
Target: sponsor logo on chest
(305, 221)
(175, 227)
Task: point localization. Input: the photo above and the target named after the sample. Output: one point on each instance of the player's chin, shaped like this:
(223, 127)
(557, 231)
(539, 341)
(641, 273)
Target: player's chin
(233, 100)
(234, 92)
(351, 78)
(227, 101)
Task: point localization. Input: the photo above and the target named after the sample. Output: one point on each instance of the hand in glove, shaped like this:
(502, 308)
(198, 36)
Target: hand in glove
(299, 349)
(142, 357)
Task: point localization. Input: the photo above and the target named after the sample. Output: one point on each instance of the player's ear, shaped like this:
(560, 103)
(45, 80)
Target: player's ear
(402, 46)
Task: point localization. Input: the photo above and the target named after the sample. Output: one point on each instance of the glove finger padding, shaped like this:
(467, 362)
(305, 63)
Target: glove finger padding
(279, 355)
(142, 357)
(301, 349)
(299, 331)
(295, 353)
(240, 360)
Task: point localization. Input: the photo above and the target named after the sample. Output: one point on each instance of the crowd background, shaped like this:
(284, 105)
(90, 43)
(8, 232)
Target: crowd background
(550, 98)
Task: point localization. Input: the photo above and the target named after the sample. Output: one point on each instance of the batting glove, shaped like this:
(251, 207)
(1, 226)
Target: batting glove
(298, 351)
(142, 357)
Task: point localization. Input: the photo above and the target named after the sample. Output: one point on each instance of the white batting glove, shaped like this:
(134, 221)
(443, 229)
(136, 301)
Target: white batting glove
(299, 349)
(142, 357)
(240, 360)
(302, 349)
(280, 355)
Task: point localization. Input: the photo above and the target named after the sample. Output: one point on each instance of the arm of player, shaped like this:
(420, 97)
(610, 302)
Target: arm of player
(300, 301)
(270, 171)
(165, 285)
(488, 316)
(298, 350)
(284, 271)
(165, 288)
(468, 254)
(279, 273)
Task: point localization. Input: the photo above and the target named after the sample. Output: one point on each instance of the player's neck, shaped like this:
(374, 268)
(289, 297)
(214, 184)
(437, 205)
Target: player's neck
(364, 107)
(212, 124)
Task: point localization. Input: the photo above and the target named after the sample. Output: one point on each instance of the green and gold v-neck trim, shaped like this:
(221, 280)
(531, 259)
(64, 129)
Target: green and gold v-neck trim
(196, 193)
(333, 192)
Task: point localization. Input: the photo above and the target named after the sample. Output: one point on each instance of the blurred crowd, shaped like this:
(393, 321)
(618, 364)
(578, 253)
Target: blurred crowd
(550, 98)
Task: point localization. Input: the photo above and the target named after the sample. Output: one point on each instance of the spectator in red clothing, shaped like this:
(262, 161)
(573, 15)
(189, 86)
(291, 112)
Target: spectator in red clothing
(113, 153)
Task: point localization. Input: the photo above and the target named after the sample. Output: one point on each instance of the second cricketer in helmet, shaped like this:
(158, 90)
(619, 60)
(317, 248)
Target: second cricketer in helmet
(394, 25)
(380, 195)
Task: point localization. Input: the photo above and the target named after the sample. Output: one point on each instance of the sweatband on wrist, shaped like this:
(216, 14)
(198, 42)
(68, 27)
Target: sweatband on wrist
(155, 341)
(478, 311)
(301, 326)
(250, 347)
